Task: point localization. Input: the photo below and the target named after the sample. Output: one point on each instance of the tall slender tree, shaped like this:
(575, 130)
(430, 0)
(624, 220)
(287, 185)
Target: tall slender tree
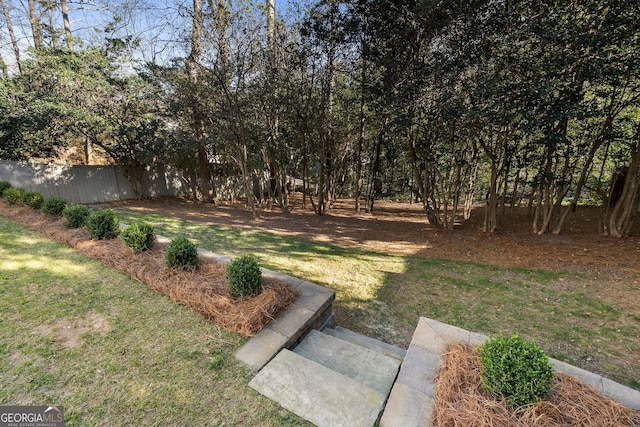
(67, 24)
(12, 35)
(193, 70)
(36, 25)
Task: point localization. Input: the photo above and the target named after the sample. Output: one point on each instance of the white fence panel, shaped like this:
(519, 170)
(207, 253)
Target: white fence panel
(87, 184)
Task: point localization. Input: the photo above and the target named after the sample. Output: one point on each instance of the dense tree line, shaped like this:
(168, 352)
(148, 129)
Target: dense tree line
(445, 102)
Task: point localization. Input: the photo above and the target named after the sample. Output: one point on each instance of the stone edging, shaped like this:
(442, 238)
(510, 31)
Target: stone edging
(311, 310)
(412, 399)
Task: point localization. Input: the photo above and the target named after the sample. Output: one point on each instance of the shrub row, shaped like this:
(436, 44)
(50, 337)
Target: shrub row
(243, 274)
(52, 206)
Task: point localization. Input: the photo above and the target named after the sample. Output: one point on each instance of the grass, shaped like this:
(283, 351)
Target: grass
(111, 351)
(384, 296)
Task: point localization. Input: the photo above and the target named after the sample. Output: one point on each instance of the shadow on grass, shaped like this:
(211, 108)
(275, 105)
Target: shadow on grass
(137, 358)
(384, 296)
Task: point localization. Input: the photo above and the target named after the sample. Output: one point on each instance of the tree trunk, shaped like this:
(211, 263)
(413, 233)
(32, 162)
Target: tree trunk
(275, 168)
(305, 171)
(36, 26)
(470, 189)
(192, 64)
(248, 182)
(491, 212)
(374, 176)
(543, 189)
(425, 181)
(52, 28)
(358, 165)
(67, 25)
(431, 208)
(621, 216)
(12, 36)
(88, 151)
(134, 174)
(326, 133)
(271, 26)
(360, 145)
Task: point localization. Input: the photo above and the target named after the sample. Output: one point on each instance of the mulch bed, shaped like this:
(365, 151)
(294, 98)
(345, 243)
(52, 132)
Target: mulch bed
(462, 402)
(204, 288)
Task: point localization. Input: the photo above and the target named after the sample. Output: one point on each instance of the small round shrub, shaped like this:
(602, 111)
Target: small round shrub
(14, 196)
(138, 236)
(54, 206)
(103, 224)
(3, 186)
(181, 253)
(515, 370)
(76, 216)
(244, 276)
(33, 200)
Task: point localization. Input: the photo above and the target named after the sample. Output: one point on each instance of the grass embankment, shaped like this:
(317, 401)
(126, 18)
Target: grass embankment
(113, 352)
(383, 296)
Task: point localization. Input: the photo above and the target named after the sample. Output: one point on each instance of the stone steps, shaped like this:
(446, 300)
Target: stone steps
(368, 342)
(361, 364)
(330, 381)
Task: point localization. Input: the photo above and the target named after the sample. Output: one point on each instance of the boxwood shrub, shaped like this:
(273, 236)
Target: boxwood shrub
(244, 276)
(14, 196)
(33, 200)
(76, 216)
(103, 224)
(181, 253)
(138, 236)
(515, 370)
(3, 186)
(54, 206)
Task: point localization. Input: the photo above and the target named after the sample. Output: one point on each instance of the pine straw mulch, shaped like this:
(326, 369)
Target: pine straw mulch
(204, 288)
(461, 401)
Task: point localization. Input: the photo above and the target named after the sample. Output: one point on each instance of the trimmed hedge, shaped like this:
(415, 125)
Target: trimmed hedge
(14, 196)
(244, 276)
(138, 236)
(76, 216)
(33, 200)
(54, 206)
(103, 225)
(181, 253)
(515, 370)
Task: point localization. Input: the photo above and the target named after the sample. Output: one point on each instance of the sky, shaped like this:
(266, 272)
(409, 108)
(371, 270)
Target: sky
(161, 25)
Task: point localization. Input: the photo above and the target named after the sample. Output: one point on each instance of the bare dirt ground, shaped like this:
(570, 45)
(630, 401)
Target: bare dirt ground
(402, 229)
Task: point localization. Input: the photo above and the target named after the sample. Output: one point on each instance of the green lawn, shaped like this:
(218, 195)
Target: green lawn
(383, 296)
(79, 334)
(76, 333)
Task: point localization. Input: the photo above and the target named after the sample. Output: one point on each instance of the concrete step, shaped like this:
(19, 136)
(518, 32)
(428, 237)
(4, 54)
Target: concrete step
(366, 366)
(317, 393)
(367, 342)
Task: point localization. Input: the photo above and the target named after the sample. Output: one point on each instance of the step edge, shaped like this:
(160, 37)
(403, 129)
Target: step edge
(374, 344)
(287, 358)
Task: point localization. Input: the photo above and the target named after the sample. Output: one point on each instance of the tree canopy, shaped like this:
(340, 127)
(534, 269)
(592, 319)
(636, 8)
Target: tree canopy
(444, 102)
